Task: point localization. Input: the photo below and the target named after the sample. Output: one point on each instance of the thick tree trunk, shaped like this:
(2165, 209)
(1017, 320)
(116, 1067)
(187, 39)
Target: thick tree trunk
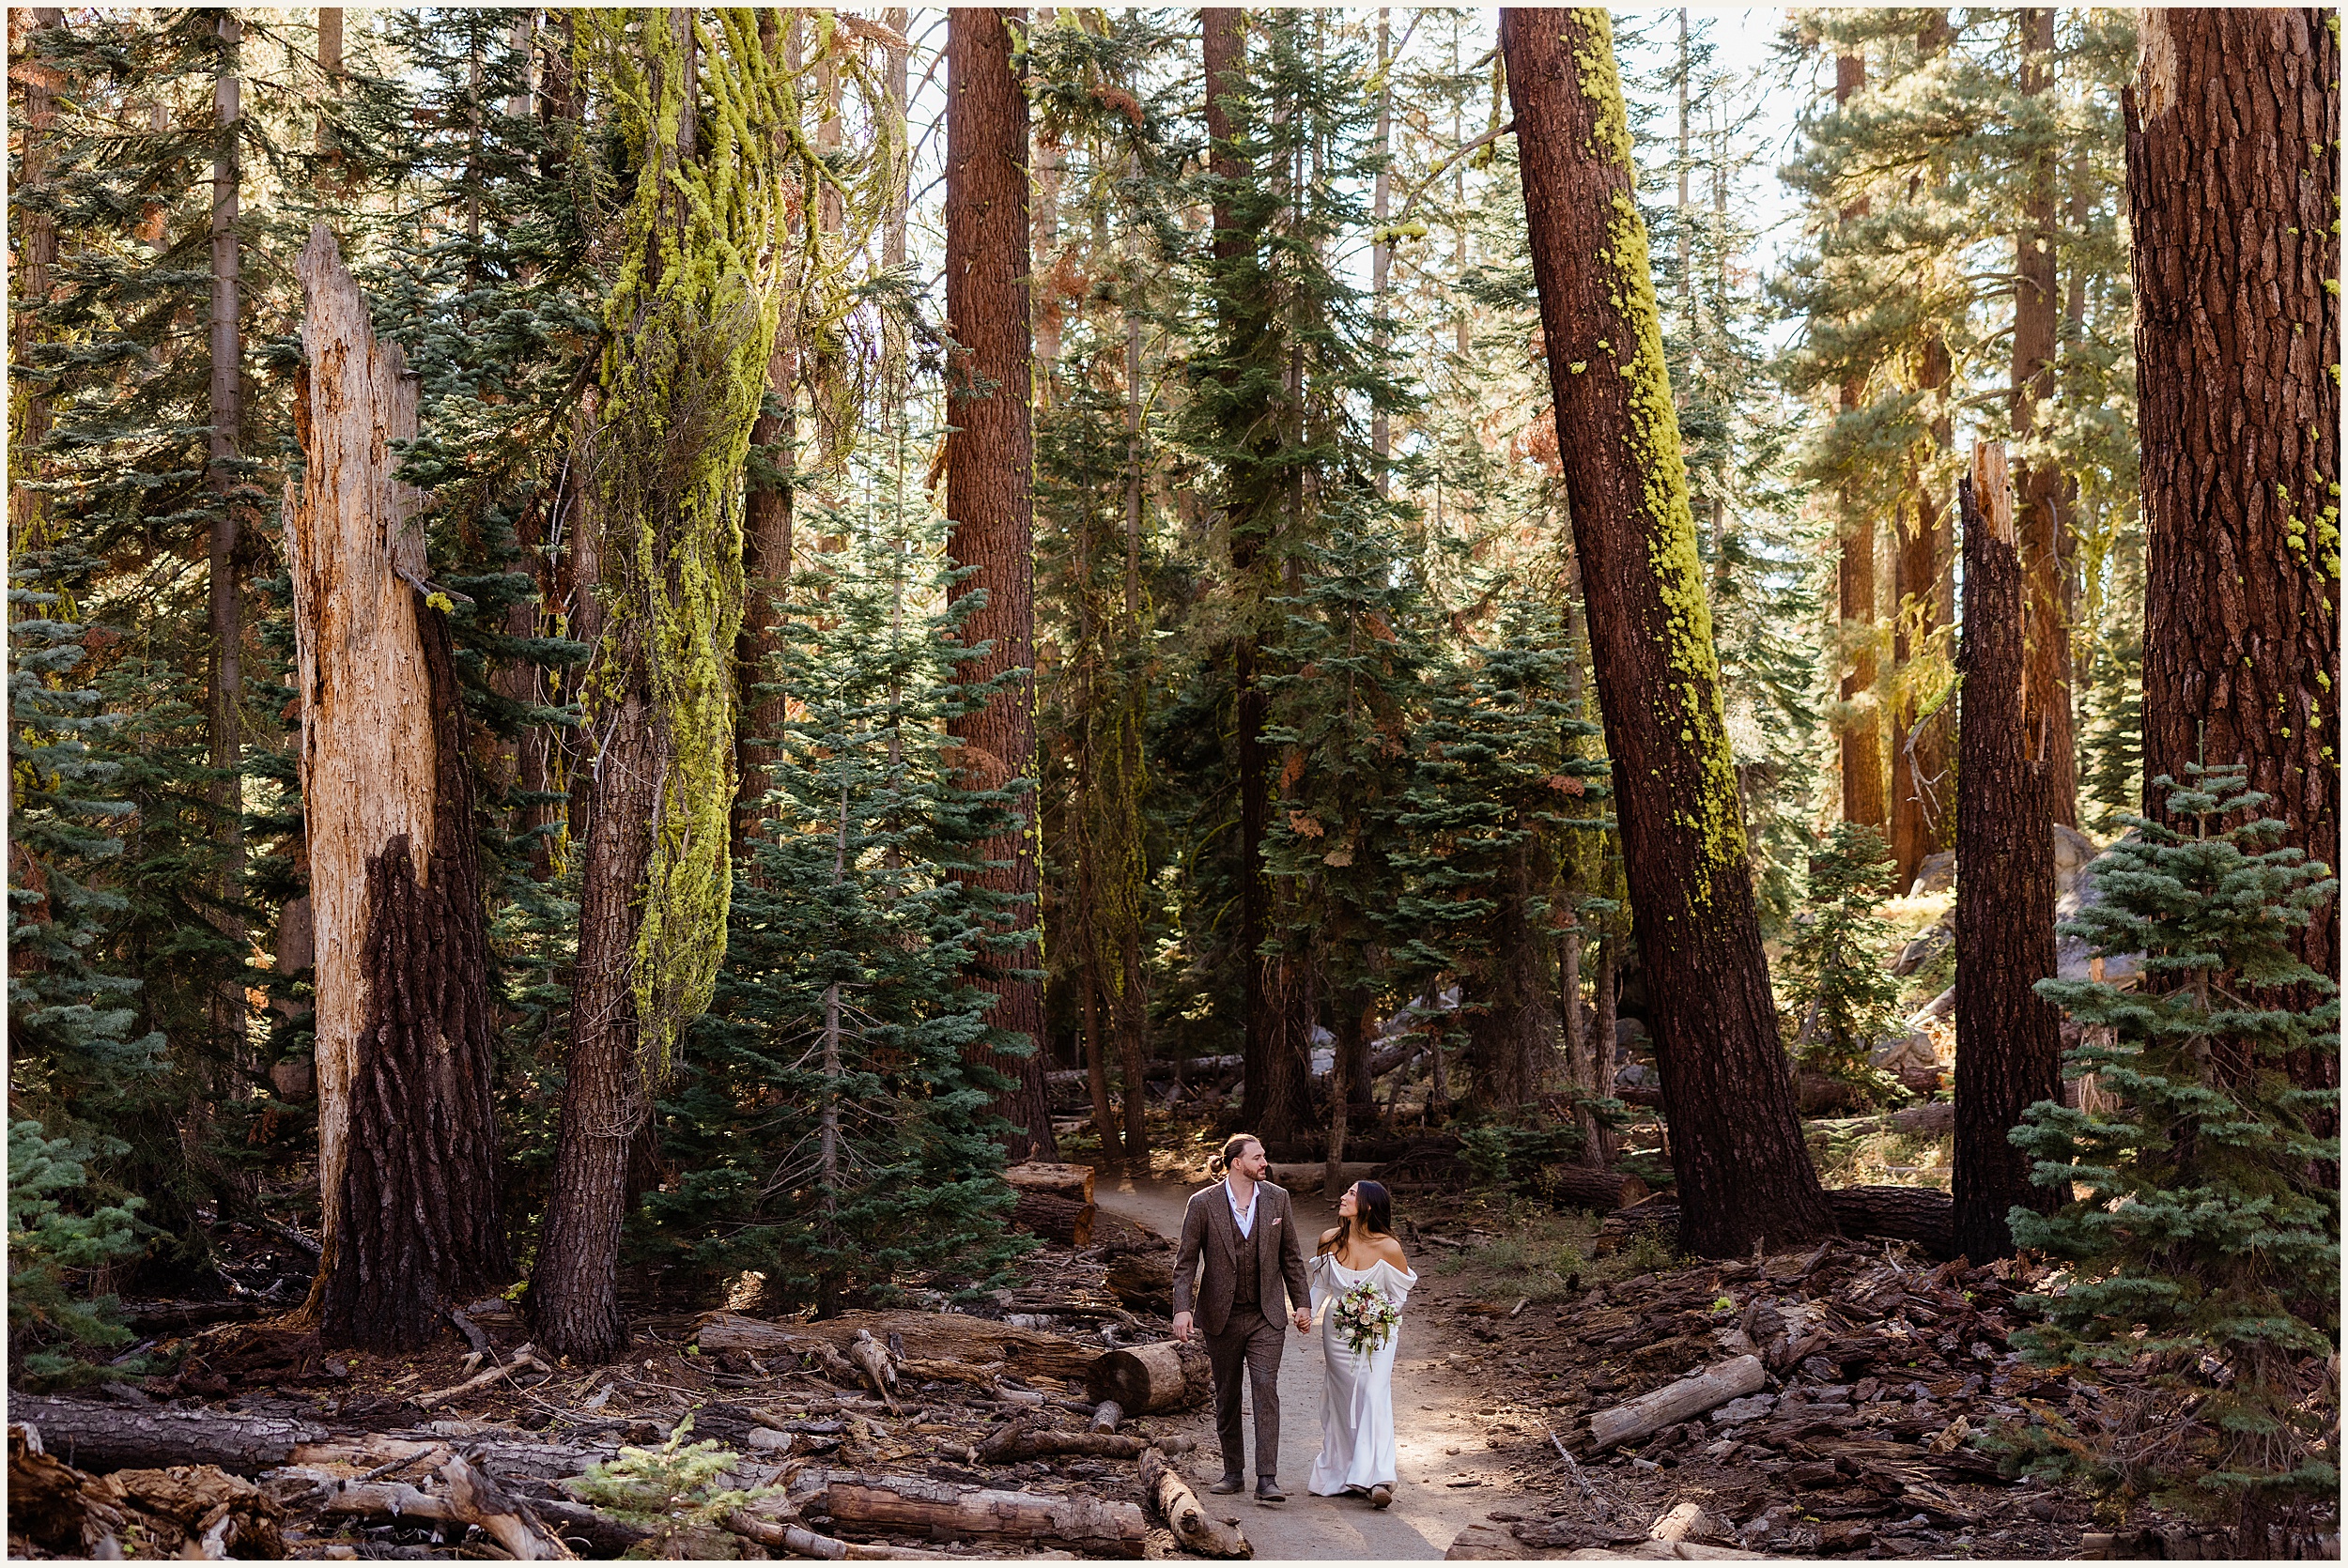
(2233, 193)
(2008, 1053)
(2042, 528)
(1861, 725)
(1921, 819)
(1744, 1177)
(766, 571)
(1511, 1039)
(990, 461)
(406, 1037)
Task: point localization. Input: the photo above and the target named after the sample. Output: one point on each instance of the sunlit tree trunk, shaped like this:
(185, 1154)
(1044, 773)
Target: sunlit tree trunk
(990, 465)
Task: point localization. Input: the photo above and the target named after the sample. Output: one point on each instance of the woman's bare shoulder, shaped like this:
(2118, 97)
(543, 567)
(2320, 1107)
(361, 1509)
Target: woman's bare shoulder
(1330, 1235)
(1390, 1249)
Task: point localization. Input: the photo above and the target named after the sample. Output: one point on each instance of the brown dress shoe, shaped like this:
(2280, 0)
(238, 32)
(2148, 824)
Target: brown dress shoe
(1381, 1495)
(1268, 1490)
(1232, 1481)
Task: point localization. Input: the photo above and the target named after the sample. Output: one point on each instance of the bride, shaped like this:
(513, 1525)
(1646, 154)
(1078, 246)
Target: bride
(1359, 1265)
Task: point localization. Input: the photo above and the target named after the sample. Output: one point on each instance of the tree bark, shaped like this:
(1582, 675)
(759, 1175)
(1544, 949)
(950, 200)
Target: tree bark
(1709, 1390)
(406, 1037)
(1511, 1042)
(1744, 1177)
(1152, 1380)
(990, 460)
(36, 247)
(2233, 195)
(968, 1512)
(225, 592)
(1186, 1515)
(2042, 528)
(2008, 1052)
(767, 521)
(1921, 819)
(1855, 584)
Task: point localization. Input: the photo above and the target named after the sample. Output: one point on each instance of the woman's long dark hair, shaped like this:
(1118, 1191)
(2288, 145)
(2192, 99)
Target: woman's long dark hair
(1373, 1206)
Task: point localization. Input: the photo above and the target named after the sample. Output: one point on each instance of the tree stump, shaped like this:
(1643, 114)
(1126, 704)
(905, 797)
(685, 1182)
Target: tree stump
(1150, 1379)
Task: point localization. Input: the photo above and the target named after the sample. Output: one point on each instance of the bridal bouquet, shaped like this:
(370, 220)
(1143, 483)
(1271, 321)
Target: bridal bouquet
(1365, 1318)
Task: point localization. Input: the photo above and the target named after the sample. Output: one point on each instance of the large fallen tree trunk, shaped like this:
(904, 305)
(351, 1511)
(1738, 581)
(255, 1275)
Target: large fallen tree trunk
(102, 1438)
(1054, 1219)
(966, 1512)
(1709, 1390)
(1583, 1187)
(1148, 1379)
(1922, 1215)
(1071, 1182)
(937, 1336)
(1186, 1515)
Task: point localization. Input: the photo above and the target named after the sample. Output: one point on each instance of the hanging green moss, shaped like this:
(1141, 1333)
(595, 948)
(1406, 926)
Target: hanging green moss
(690, 320)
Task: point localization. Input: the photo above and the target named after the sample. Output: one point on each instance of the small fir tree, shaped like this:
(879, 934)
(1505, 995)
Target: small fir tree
(2206, 1241)
(1834, 965)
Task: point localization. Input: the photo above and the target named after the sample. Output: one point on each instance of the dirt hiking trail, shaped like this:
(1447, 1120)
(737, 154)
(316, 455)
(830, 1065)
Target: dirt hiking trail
(1438, 1437)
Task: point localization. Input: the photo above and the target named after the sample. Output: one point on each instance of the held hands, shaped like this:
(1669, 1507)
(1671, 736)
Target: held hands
(1182, 1327)
(1303, 1317)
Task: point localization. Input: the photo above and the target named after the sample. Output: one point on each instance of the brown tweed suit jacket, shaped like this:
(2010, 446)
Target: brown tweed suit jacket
(1210, 1238)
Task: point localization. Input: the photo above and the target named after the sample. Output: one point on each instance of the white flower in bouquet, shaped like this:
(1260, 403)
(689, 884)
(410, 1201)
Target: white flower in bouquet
(1365, 1318)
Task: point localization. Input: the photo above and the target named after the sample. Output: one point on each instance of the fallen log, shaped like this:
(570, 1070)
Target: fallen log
(1026, 1442)
(478, 1499)
(775, 1533)
(929, 1336)
(102, 1438)
(1934, 1119)
(1186, 1515)
(1674, 1403)
(1924, 1215)
(918, 1503)
(1585, 1187)
(1071, 1182)
(1106, 1416)
(1054, 1219)
(1143, 1281)
(604, 1535)
(1150, 1379)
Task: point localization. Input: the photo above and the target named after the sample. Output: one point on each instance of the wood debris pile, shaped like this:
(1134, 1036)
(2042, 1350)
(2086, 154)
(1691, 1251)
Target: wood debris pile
(1834, 1402)
(903, 1434)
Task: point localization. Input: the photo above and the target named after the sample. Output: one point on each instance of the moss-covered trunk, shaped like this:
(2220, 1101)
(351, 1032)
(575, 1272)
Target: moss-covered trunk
(1745, 1179)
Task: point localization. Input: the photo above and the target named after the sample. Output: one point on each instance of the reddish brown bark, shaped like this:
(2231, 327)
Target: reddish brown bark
(2234, 196)
(2008, 1050)
(37, 239)
(990, 460)
(1744, 1176)
(2042, 523)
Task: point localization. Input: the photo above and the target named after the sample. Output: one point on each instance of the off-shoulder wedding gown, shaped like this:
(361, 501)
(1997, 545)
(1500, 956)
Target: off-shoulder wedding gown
(1357, 1389)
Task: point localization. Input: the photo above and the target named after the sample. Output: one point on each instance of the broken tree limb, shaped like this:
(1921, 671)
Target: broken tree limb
(1650, 1413)
(774, 1534)
(525, 1357)
(918, 1503)
(102, 1438)
(1148, 1379)
(480, 1500)
(1106, 1414)
(871, 1358)
(928, 1335)
(1186, 1515)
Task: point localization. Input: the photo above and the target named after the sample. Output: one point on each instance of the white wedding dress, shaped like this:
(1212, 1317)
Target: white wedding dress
(1357, 1388)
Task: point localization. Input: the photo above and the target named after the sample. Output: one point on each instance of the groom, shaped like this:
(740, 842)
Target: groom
(1243, 1230)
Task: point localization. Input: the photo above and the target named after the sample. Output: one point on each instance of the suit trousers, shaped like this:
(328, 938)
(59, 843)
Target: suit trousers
(1247, 1342)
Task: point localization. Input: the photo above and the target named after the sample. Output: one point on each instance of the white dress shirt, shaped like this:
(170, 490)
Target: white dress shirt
(1243, 1218)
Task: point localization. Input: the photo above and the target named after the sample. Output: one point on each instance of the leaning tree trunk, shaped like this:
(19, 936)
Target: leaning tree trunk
(2234, 194)
(406, 1041)
(990, 461)
(2008, 1052)
(1744, 1177)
